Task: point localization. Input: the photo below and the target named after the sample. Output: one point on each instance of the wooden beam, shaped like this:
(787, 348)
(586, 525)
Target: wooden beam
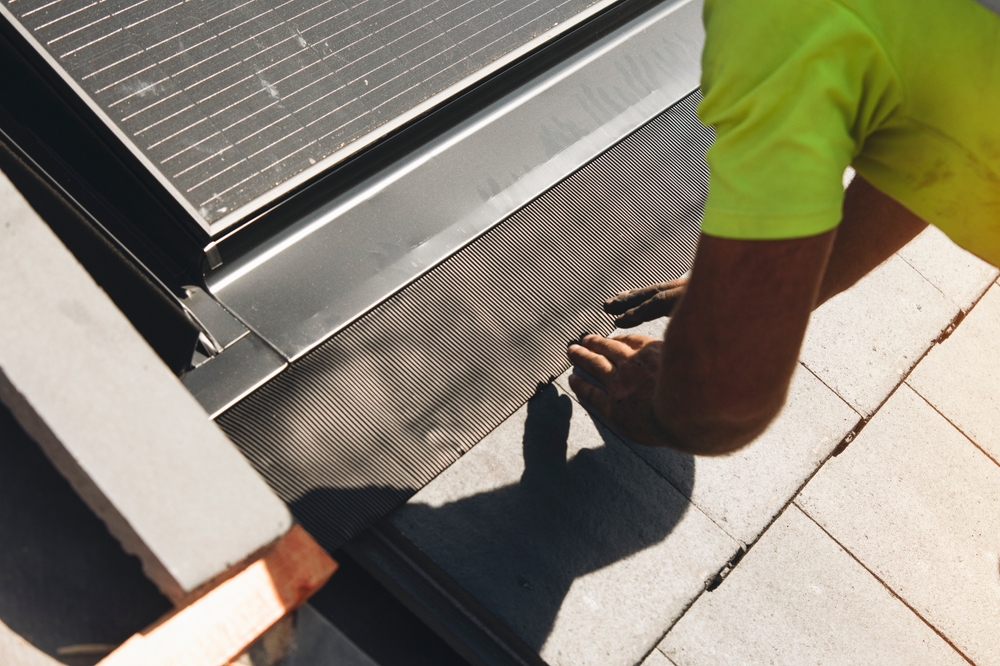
(220, 624)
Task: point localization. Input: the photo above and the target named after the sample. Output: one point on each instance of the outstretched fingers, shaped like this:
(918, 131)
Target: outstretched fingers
(626, 300)
(661, 304)
(613, 349)
(593, 363)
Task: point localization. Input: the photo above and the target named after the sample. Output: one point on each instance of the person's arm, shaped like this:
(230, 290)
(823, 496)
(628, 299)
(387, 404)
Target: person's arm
(723, 370)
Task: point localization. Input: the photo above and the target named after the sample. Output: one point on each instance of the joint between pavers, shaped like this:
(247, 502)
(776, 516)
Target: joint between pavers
(952, 424)
(885, 584)
(715, 582)
(848, 438)
(947, 332)
(731, 565)
(619, 438)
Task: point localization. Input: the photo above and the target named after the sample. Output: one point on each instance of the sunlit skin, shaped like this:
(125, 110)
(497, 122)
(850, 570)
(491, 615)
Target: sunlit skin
(722, 372)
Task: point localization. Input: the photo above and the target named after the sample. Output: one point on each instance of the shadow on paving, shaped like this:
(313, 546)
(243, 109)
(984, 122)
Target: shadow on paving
(64, 580)
(519, 548)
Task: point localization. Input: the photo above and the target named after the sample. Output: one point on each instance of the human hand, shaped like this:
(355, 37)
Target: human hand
(627, 366)
(642, 305)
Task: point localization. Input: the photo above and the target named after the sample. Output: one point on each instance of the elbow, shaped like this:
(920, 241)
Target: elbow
(714, 434)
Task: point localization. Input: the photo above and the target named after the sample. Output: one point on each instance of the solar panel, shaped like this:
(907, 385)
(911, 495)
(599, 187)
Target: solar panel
(231, 103)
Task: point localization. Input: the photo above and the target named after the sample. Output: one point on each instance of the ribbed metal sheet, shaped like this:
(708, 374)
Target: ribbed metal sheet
(226, 100)
(356, 426)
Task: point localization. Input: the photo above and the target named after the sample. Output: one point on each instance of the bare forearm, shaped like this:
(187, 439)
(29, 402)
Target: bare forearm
(722, 373)
(716, 392)
(874, 227)
(733, 342)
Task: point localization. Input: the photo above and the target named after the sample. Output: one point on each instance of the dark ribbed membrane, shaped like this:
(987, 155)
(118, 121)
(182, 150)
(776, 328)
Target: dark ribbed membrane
(355, 427)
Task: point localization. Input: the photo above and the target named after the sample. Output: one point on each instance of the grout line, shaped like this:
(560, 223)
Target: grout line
(975, 300)
(862, 422)
(947, 332)
(621, 440)
(928, 280)
(885, 585)
(906, 379)
(952, 424)
(707, 591)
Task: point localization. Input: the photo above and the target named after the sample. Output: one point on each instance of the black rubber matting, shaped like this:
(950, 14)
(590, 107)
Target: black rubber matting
(354, 428)
(228, 99)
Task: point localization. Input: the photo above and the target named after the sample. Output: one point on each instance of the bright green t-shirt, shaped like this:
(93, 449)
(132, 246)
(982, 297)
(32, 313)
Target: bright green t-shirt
(906, 91)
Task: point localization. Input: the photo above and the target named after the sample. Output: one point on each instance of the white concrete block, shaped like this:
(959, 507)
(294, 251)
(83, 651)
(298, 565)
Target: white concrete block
(114, 419)
(961, 376)
(565, 535)
(862, 342)
(959, 274)
(798, 598)
(744, 492)
(919, 505)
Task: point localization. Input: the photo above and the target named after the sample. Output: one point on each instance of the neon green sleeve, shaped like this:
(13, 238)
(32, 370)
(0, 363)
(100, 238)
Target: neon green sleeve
(792, 88)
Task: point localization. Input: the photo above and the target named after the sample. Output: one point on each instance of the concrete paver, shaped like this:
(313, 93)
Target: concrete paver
(961, 376)
(863, 342)
(567, 536)
(743, 492)
(799, 598)
(959, 274)
(919, 505)
(656, 658)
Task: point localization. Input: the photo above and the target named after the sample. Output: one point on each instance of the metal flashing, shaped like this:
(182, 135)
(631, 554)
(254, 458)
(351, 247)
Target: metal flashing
(353, 428)
(338, 263)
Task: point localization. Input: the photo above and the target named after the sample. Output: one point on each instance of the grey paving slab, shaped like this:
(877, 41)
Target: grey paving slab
(567, 536)
(959, 274)
(799, 598)
(862, 342)
(744, 492)
(961, 376)
(656, 658)
(115, 421)
(919, 505)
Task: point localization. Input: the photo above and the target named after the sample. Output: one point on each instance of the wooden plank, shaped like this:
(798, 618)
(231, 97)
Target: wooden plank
(222, 623)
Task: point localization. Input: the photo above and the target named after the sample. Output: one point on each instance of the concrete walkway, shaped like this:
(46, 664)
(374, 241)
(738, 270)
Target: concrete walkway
(891, 552)
(862, 528)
